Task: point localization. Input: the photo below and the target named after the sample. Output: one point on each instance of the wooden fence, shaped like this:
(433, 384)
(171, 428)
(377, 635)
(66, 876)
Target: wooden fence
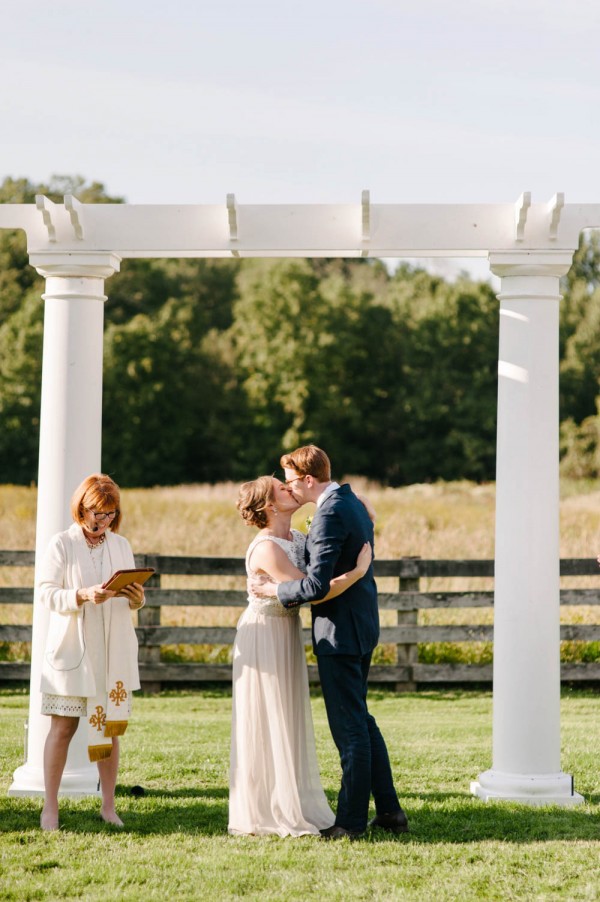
(406, 672)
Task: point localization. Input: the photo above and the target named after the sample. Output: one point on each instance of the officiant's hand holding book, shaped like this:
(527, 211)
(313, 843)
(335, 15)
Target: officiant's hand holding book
(122, 578)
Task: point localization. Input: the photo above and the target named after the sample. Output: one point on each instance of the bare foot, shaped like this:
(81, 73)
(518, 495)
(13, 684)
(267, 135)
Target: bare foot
(49, 820)
(111, 817)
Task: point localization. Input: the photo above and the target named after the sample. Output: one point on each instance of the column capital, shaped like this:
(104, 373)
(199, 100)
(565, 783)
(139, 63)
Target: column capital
(76, 265)
(531, 263)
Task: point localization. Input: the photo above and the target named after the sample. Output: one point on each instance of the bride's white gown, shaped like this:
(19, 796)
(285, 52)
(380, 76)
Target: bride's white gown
(274, 784)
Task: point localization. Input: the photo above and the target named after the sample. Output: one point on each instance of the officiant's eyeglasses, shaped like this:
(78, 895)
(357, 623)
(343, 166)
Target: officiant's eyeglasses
(109, 514)
(295, 479)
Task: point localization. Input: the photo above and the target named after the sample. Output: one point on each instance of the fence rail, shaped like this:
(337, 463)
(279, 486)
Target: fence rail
(407, 634)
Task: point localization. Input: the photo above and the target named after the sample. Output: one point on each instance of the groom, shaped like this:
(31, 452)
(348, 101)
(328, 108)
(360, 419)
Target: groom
(345, 632)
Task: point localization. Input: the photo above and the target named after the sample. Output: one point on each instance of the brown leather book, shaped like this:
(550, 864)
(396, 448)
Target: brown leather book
(122, 578)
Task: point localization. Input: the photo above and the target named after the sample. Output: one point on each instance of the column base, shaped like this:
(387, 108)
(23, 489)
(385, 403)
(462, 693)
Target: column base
(527, 789)
(28, 782)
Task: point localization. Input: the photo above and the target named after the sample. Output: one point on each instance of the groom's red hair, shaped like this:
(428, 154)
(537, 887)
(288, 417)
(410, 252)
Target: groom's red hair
(308, 461)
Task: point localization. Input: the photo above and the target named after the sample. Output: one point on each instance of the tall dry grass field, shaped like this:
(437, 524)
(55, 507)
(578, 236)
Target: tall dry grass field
(442, 520)
(439, 521)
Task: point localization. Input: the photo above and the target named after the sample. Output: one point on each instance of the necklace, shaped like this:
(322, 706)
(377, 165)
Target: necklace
(92, 545)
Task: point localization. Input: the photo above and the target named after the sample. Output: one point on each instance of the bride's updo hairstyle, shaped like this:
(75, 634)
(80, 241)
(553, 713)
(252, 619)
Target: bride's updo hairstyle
(253, 499)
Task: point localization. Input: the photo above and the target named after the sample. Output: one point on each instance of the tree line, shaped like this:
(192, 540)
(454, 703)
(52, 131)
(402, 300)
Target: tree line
(213, 367)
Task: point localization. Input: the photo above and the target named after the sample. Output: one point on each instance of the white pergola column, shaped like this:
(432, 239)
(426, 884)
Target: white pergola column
(526, 706)
(70, 449)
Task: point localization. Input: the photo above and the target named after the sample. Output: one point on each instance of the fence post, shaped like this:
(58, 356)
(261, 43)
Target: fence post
(150, 616)
(407, 655)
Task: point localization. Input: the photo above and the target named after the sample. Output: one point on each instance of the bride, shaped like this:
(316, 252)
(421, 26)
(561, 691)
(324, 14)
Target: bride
(274, 777)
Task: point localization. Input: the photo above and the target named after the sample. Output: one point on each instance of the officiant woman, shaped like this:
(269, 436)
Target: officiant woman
(90, 666)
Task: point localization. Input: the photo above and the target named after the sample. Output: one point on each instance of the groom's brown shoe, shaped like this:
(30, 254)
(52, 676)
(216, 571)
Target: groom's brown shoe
(337, 832)
(395, 822)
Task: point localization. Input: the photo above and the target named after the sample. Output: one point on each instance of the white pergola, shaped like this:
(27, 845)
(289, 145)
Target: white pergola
(529, 246)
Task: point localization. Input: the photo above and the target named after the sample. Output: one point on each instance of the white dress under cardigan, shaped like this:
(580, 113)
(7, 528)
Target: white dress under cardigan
(95, 640)
(274, 784)
(76, 664)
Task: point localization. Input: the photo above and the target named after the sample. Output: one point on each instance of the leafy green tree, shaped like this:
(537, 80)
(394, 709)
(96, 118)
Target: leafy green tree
(167, 412)
(355, 402)
(449, 348)
(580, 366)
(272, 338)
(317, 357)
(206, 287)
(585, 268)
(580, 447)
(16, 275)
(20, 390)
(580, 334)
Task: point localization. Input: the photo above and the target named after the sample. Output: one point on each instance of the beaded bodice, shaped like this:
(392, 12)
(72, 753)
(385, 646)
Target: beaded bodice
(294, 549)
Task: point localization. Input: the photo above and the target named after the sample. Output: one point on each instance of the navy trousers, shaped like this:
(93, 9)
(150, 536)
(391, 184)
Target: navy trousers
(365, 761)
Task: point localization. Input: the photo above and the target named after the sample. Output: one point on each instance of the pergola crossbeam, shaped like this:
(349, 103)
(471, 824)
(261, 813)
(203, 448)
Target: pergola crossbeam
(320, 230)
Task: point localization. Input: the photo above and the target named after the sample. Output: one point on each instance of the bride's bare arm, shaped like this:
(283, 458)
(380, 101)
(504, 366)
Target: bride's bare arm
(276, 562)
(270, 558)
(339, 585)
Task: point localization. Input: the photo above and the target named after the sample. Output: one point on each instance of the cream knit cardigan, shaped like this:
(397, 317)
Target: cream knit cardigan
(66, 567)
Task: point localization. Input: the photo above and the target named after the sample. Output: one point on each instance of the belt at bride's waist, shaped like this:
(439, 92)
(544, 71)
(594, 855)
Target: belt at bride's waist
(270, 607)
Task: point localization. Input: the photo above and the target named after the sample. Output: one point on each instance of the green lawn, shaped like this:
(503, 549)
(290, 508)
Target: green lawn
(175, 843)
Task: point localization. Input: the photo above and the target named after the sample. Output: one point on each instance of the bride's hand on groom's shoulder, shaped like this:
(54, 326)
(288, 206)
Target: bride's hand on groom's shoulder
(369, 507)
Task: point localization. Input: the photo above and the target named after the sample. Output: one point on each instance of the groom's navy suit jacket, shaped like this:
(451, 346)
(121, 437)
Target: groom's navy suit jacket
(348, 624)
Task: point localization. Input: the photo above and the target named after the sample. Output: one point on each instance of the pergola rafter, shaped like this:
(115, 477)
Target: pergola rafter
(530, 246)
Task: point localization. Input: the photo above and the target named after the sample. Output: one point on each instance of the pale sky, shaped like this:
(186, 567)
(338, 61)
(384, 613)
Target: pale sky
(429, 101)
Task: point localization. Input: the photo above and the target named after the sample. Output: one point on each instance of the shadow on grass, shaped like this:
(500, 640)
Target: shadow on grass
(473, 821)
(150, 816)
(187, 793)
(443, 818)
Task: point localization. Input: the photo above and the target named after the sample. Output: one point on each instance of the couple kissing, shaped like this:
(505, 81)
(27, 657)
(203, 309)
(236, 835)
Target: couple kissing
(275, 787)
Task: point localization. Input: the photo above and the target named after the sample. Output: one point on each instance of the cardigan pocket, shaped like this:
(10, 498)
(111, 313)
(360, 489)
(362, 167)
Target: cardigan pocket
(65, 646)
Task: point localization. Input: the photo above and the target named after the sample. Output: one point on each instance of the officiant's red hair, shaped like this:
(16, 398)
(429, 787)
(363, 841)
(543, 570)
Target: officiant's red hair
(99, 493)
